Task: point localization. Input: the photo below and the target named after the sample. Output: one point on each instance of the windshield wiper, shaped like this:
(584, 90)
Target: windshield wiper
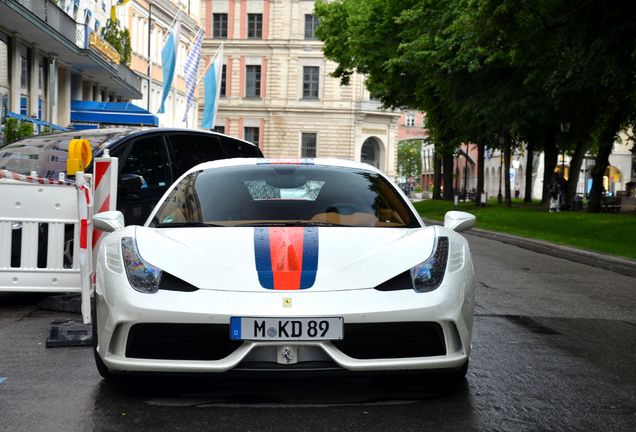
(184, 225)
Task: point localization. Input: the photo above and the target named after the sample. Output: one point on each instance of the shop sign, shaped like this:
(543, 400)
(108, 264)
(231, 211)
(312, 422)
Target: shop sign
(98, 44)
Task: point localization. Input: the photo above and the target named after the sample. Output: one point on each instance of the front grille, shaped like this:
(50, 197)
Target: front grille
(180, 341)
(392, 340)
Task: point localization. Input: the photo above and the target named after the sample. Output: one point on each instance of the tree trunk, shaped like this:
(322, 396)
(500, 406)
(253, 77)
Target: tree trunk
(575, 168)
(437, 176)
(507, 150)
(529, 164)
(481, 148)
(598, 171)
(606, 145)
(447, 162)
(551, 156)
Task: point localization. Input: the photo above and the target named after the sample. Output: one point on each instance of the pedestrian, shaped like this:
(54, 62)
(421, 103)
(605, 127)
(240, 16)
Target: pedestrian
(555, 193)
(517, 190)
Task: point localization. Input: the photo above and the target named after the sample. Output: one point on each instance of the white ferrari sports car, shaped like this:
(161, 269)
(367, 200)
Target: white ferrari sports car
(309, 265)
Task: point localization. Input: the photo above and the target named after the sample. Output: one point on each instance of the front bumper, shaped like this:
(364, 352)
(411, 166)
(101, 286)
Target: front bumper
(446, 312)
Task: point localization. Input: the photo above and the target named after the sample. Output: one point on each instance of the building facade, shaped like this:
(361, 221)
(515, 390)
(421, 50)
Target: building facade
(51, 54)
(149, 23)
(277, 90)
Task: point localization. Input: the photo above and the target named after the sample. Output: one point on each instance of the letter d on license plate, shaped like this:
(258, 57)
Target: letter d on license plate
(282, 329)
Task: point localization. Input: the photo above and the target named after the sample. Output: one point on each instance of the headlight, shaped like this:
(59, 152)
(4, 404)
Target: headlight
(428, 275)
(142, 276)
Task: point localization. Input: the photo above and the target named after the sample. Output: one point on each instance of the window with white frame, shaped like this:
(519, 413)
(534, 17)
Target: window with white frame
(251, 134)
(311, 23)
(219, 26)
(308, 144)
(311, 82)
(255, 26)
(410, 120)
(253, 81)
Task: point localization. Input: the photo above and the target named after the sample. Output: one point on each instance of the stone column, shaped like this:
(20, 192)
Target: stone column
(64, 97)
(16, 72)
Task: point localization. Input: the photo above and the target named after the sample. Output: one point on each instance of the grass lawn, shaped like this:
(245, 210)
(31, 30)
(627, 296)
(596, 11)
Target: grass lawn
(611, 233)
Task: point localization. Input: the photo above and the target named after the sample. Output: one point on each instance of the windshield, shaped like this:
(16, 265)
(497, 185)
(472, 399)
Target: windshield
(284, 195)
(47, 154)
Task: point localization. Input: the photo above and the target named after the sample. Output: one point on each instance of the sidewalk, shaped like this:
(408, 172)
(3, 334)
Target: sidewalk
(611, 263)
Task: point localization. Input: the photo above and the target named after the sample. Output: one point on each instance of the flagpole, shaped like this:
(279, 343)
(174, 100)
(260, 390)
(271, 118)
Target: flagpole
(209, 64)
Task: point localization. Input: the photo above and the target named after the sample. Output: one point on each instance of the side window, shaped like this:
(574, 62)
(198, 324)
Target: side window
(147, 158)
(191, 150)
(239, 149)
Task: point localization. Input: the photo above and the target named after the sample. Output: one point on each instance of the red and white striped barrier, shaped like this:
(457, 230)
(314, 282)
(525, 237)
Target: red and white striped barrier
(104, 193)
(84, 205)
(10, 175)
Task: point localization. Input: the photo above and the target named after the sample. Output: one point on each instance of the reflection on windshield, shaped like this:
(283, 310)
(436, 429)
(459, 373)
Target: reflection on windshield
(290, 195)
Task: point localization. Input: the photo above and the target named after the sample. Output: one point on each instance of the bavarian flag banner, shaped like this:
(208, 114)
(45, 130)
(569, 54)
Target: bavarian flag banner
(169, 63)
(212, 84)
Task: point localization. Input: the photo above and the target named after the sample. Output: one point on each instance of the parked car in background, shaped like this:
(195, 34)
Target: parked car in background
(280, 266)
(150, 160)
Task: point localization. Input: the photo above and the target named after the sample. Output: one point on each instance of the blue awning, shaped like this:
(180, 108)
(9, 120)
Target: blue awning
(36, 122)
(111, 113)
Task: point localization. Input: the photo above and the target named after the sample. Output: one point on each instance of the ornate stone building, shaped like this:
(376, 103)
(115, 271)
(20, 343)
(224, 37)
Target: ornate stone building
(277, 90)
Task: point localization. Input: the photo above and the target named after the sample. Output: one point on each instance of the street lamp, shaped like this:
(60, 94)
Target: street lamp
(565, 128)
(499, 195)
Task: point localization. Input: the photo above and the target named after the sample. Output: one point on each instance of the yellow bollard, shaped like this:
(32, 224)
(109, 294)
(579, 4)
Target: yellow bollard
(80, 155)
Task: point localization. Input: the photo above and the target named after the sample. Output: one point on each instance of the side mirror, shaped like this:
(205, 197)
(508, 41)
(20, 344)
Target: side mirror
(459, 221)
(131, 182)
(109, 221)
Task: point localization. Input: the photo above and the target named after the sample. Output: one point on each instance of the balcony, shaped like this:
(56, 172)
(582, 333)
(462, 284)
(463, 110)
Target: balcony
(43, 24)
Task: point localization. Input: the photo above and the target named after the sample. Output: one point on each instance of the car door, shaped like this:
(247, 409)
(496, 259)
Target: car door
(144, 176)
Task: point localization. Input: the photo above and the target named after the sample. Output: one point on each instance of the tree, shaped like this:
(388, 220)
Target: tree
(480, 68)
(15, 130)
(118, 39)
(410, 158)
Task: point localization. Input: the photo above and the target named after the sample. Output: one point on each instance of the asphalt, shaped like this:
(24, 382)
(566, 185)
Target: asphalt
(611, 263)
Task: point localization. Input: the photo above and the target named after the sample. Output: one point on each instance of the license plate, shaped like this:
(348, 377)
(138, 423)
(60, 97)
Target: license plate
(282, 329)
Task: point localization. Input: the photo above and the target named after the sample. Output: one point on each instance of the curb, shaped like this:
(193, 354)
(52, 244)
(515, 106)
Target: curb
(624, 266)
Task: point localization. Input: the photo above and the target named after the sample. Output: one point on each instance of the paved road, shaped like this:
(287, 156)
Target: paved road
(554, 348)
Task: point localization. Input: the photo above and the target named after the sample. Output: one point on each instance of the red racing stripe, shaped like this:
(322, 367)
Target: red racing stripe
(286, 251)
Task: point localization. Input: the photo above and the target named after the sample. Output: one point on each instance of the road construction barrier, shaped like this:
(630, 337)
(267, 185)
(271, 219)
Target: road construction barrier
(46, 236)
(104, 193)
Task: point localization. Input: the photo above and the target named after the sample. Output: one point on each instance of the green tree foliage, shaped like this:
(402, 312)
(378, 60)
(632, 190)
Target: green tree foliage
(118, 39)
(495, 72)
(410, 158)
(15, 130)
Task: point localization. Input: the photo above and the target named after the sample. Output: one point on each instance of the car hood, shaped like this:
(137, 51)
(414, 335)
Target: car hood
(285, 258)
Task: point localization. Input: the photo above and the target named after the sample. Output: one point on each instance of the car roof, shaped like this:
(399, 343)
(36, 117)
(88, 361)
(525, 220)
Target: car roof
(106, 137)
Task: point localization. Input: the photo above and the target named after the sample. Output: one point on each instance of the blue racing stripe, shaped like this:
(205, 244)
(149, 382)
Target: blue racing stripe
(310, 258)
(263, 257)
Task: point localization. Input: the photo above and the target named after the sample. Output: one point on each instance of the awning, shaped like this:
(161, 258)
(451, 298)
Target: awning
(36, 122)
(110, 113)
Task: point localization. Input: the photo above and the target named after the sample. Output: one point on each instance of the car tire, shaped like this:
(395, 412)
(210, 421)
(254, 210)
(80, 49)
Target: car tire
(99, 363)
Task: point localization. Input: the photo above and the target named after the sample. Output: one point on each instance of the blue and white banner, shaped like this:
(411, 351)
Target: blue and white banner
(190, 72)
(168, 64)
(212, 82)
